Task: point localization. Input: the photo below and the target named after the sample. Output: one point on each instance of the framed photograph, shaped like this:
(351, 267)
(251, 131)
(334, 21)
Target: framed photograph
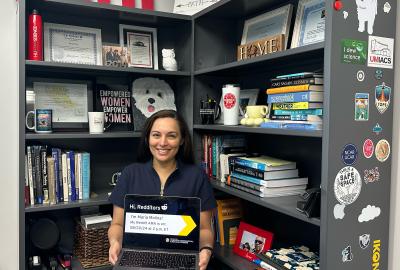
(116, 56)
(271, 23)
(251, 240)
(70, 101)
(72, 44)
(141, 43)
(190, 7)
(247, 97)
(309, 26)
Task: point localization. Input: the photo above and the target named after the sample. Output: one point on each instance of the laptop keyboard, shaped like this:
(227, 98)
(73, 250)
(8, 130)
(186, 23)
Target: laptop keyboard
(161, 260)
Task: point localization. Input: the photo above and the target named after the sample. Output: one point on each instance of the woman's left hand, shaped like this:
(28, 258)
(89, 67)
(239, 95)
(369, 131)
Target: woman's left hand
(204, 258)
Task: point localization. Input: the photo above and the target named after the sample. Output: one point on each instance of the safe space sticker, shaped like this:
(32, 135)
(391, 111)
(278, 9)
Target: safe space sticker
(347, 185)
(361, 107)
(380, 52)
(382, 97)
(354, 51)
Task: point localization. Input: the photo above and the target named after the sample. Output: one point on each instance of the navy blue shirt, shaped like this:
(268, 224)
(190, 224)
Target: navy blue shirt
(186, 181)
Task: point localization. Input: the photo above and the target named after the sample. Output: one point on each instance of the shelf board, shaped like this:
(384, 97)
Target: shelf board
(308, 51)
(284, 204)
(82, 135)
(98, 199)
(225, 254)
(259, 130)
(56, 67)
(76, 265)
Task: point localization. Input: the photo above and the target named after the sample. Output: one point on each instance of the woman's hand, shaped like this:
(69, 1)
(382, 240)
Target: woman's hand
(115, 249)
(204, 258)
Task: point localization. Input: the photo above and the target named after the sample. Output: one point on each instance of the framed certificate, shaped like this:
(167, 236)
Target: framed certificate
(72, 44)
(271, 23)
(141, 43)
(309, 26)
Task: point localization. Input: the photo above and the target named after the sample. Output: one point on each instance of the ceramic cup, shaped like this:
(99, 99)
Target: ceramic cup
(42, 120)
(96, 122)
(230, 97)
(256, 111)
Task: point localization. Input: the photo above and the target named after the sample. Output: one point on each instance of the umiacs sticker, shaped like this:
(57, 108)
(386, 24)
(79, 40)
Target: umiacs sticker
(361, 107)
(368, 148)
(382, 150)
(380, 52)
(382, 97)
(354, 51)
(347, 185)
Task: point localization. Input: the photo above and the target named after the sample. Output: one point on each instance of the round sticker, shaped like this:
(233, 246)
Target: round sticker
(229, 100)
(349, 154)
(347, 185)
(368, 148)
(360, 75)
(382, 150)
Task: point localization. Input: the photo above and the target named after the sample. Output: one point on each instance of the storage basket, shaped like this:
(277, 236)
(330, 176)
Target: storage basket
(91, 246)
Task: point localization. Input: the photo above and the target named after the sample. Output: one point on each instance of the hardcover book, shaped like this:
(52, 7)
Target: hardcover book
(265, 163)
(230, 212)
(116, 102)
(295, 88)
(310, 96)
(263, 175)
(288, 82)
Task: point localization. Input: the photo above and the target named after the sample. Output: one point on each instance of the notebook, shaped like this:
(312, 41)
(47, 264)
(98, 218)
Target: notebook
(160, 232)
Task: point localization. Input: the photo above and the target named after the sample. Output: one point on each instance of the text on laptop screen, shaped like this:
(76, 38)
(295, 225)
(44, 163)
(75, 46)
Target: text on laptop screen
(161, 222)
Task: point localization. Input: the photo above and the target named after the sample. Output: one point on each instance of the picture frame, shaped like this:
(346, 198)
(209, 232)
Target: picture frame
(72, 44)
(251, 240)
(270, 23)
(51, 94)
(309, 26)
(142, 45)
(116, 56)
(247, 97)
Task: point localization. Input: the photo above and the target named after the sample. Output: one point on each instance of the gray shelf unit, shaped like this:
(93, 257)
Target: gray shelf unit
(205, 45)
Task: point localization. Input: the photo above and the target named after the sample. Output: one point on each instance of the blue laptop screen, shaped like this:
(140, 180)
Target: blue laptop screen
(161, 222)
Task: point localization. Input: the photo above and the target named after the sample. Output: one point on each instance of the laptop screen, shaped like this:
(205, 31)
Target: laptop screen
(168, 223)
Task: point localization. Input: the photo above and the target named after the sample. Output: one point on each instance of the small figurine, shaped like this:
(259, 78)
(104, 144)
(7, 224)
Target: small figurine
(168, 61)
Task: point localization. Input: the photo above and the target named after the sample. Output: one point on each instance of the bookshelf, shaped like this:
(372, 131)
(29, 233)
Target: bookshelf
(205, 47)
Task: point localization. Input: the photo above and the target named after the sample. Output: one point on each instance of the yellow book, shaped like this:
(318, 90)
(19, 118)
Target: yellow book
(230, 212)
(295, 88)
(297, 105)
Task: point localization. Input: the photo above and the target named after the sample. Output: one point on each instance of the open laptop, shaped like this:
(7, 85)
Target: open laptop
(160, 232)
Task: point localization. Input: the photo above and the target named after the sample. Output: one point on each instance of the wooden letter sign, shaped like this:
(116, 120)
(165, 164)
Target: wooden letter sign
(260, 47)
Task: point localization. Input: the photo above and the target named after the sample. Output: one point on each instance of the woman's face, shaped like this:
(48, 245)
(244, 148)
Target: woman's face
(164, 139)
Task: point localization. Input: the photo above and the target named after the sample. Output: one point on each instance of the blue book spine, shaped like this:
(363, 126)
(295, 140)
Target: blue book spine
(72, 172)
(54, 154)
(298, 112)
(248, 178)
(250, 163)
(86, 175)
(289, 97)
(300, 126)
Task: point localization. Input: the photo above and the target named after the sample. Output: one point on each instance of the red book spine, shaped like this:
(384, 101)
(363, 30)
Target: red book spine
(35, 37)
(148, 4)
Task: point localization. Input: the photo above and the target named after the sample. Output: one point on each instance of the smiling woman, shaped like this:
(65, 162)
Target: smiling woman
(165, 167)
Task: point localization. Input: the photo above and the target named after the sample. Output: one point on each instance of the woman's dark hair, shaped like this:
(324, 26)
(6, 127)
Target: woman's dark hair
(185, 152)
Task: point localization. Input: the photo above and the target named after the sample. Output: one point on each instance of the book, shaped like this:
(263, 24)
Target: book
(56, 154)
(51, 180)
(64, 175)
(288, 82)
(37, 174)
(30, 175)
(318, 112)
(85, 175)
(295, 88)
(310, 96)
(265, 163)
(270, 192)
(292, 257)
(299, 75)
(26, 187)
(259, 184)
(264, 175)
(102, 221)
(43, 169)
(224, 164)
(230, 212)
(299, 117)
(297, 105)
(288, 124)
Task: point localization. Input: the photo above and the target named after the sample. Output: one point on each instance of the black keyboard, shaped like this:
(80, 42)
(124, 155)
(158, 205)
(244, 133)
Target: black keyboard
(161, 260)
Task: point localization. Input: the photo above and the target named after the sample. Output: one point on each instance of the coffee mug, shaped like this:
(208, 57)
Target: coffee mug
(209, 111)
(256, 111)
(114, 178)
(96, 122)
(230, 97)
(42, 120)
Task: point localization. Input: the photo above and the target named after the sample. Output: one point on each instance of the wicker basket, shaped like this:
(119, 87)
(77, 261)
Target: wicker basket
(91, 246)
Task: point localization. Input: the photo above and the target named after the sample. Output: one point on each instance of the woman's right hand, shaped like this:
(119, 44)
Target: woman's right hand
(115, 249)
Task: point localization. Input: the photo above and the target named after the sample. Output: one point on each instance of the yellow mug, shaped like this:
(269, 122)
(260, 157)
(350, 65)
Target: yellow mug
(256, 111)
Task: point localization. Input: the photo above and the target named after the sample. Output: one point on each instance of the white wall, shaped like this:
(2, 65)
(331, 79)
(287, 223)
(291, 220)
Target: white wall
(9, 136)
(394, 244)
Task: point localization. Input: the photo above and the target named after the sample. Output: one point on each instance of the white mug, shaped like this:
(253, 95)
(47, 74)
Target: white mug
(230, 97)
(96, 122)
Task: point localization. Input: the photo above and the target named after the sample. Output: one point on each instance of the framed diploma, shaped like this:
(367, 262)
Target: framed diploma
(142, 45)
(309, 26)
(70, 101)
(271, 23)
(72, 44)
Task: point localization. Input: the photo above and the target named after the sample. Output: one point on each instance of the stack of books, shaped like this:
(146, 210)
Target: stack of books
(266, 176)
(296, 101)
(296, 257)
